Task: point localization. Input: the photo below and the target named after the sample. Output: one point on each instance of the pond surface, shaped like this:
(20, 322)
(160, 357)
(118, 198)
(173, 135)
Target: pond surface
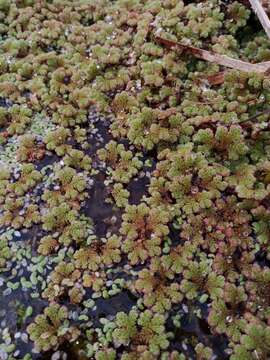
(134, 182)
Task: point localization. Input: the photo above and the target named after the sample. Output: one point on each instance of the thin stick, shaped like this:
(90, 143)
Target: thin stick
(253, 117)
(216, 58)
(265, 4)
(260, 12)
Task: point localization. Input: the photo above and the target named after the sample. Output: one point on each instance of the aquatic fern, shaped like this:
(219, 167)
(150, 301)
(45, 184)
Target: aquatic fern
(51, 328)
(136, 329)
(57, 140)
(159, 292)
(123, 163)
(144, 229)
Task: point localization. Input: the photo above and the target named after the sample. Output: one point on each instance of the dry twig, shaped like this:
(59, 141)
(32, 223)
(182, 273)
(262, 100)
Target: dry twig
(260, 12)
(224, 60)
(253, 117)
(265, 4)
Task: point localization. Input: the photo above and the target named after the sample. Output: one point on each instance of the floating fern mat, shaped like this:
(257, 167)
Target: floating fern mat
(134, 181)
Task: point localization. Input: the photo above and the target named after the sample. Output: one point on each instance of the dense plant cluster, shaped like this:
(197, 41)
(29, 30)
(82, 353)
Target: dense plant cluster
(134, 194)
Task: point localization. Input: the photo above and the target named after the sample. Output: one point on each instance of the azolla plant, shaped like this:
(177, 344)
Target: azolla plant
(134, 182)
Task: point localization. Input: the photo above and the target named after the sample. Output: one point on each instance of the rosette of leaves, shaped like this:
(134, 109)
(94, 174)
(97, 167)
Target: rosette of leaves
(17, 215)
(151, 72)
(144, 331)
(138, 353)
(255, 343)
(152, 49)
(120, 195)
(76, 294)
(100, 251)
(5, 250)
(194, 227)
(182, 161)
(23, 69)
(244, 87)
(51, 328)
(72, 184)
(112, 80)
(199, 278)
(258, 289)
(213, 178)
(68, 115)
(122, 105)
(66, 222)
(258, 49)
(111, 250)
(190, 180)
(11, 212)
(126, 327)
(4, 5)
(261, 227)
(16, 47)
(71, 189)
(203, 21)
(81, 97)
(88, 257)
(179, 257)
(95, 280)
(203, 352)
(226, 314)
(106, 55)
(29, 150)
(263, 171)
(29, 177)
(77, 160)
(56, 140)
(225, 225)
(240, 353)
(31, 215)
(4, 120)
(151, 126)
(105, 354)
(229, 143)
(20, 118)
(144, 230)
(61, 81)
(199, 105)
(80, 135)
(5, 175)
(244, 178)
(123, 163)
(160, 194)
(226, 45)
(232, 265)
(236, 16)
(47, 245)
(99, 100)
(62, 280)
(157, 287)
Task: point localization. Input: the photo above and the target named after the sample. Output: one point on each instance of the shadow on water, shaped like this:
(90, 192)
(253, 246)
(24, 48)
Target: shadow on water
(110, 307)
(193, 330)
(105, 308)
(5, 103)
(100, 211)
(137, 189)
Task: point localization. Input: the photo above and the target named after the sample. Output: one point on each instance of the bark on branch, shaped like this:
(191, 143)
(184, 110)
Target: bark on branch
(265, 4)
(224, 60)
(260, 12)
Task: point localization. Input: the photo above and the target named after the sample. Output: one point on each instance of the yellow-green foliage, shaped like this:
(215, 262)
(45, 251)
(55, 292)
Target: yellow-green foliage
(134, 181)
(51, 328)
